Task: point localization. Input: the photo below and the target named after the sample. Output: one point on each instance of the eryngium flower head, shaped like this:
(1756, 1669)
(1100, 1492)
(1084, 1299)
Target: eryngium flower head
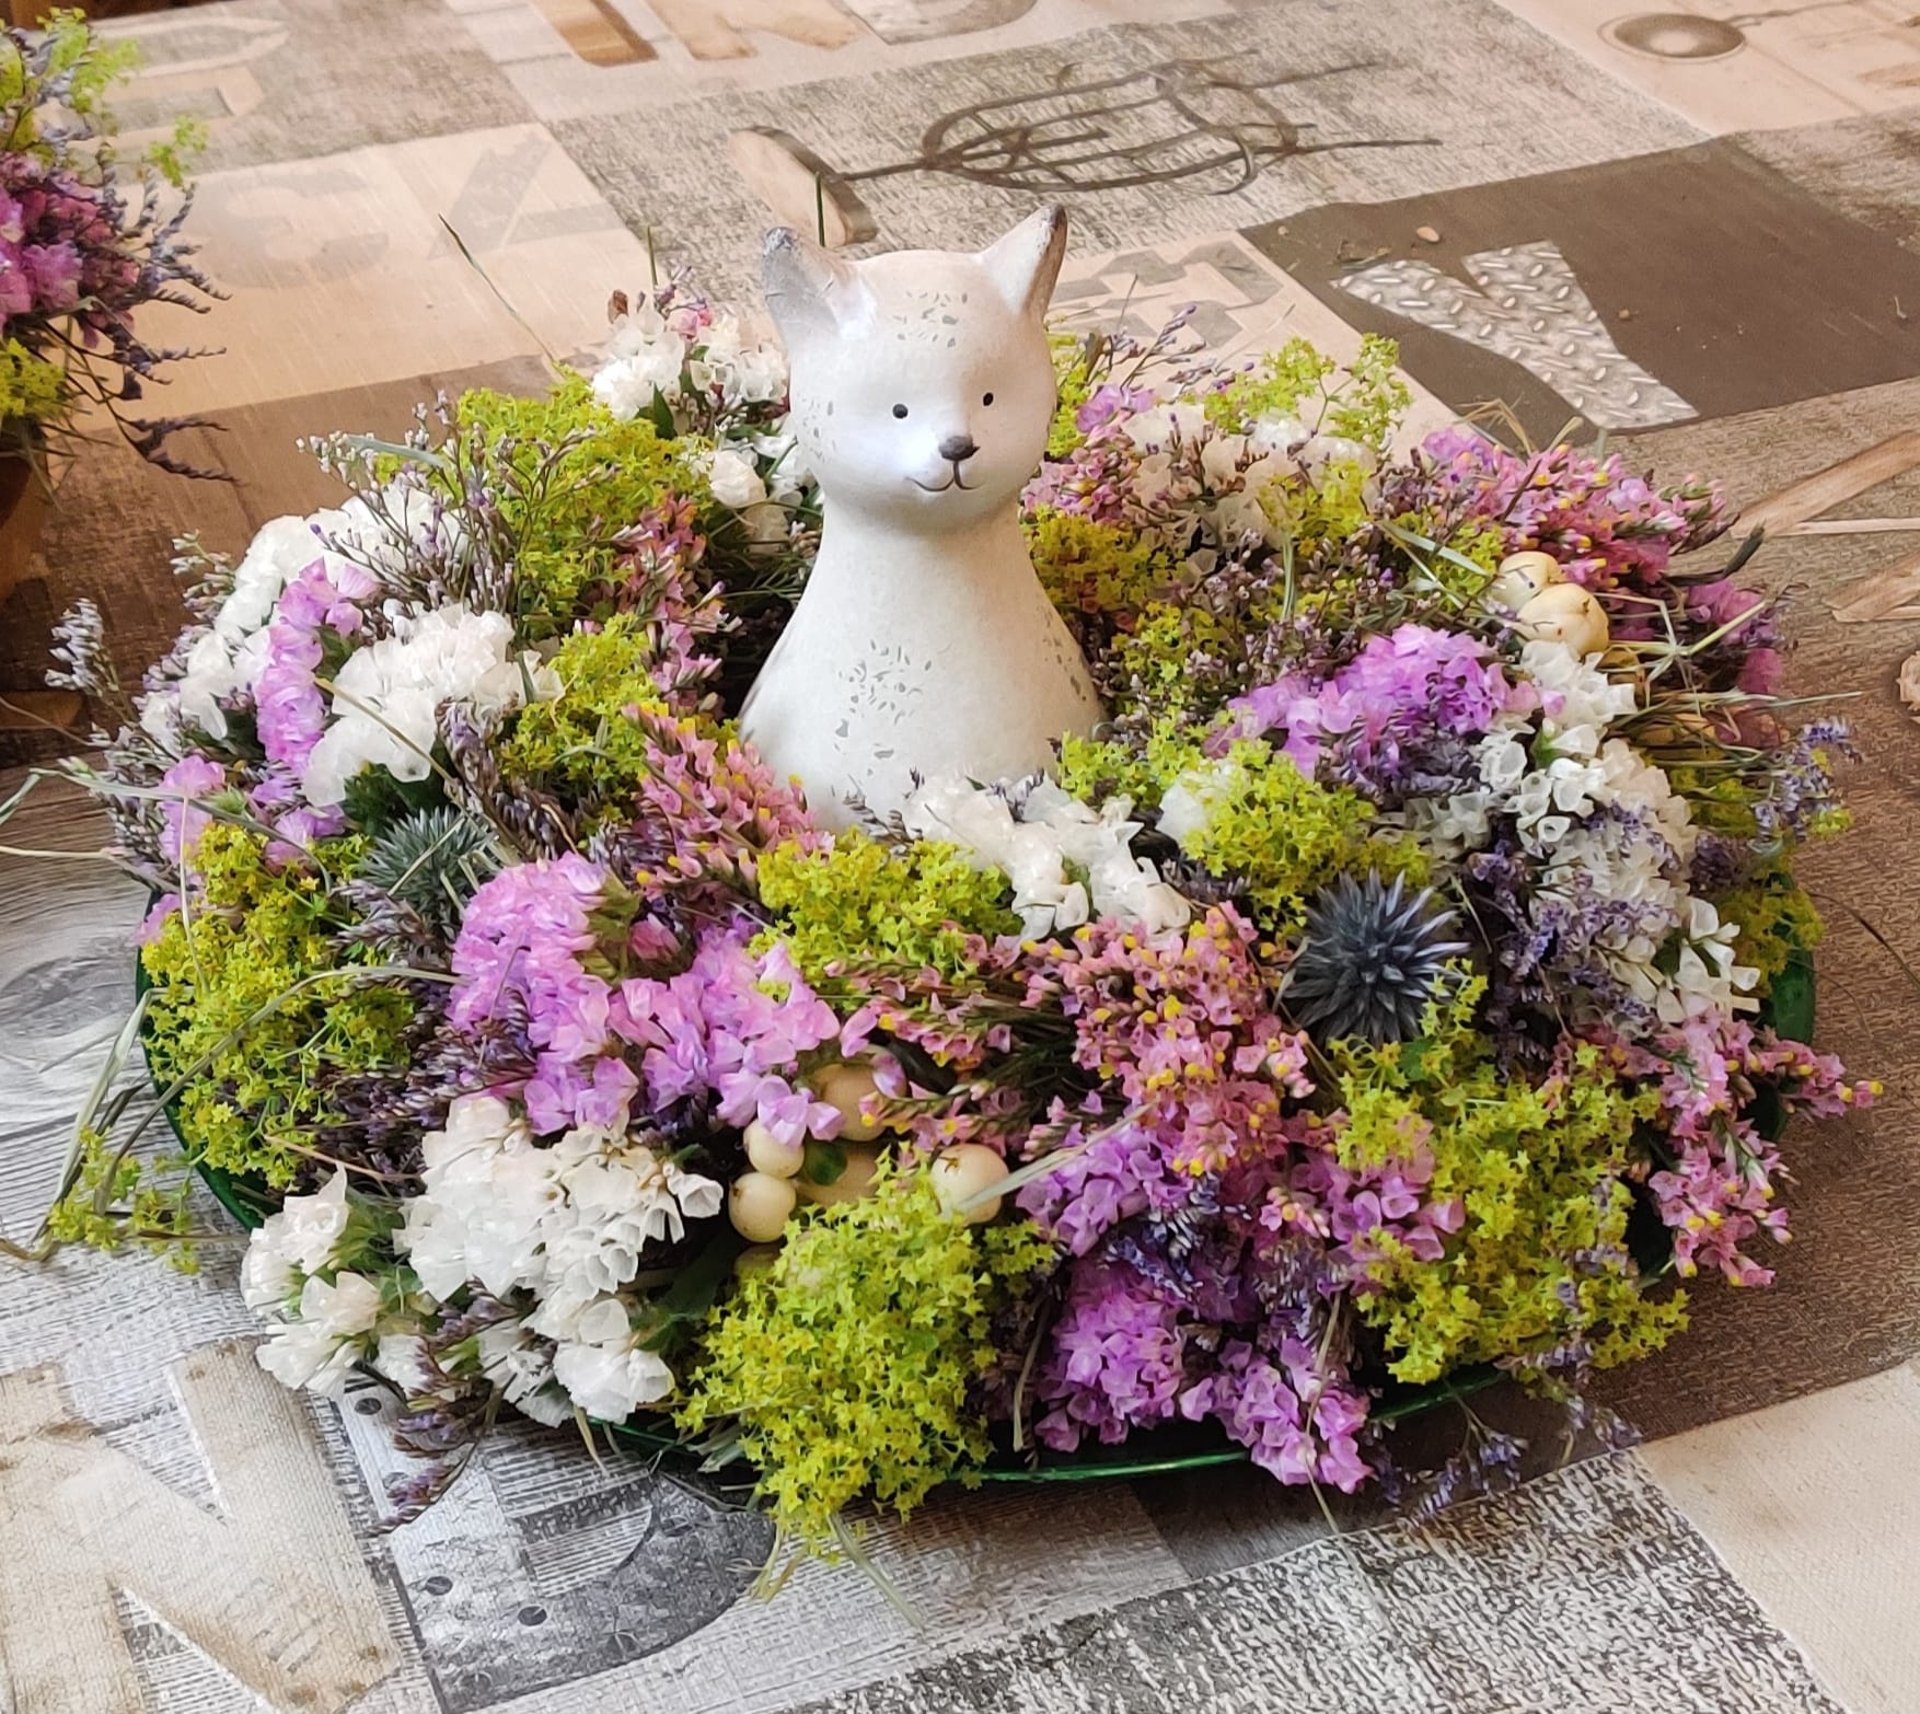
(1372, 960)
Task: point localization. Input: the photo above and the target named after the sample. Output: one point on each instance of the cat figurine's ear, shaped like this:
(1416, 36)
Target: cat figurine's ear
(1026, 262)
(810, 290)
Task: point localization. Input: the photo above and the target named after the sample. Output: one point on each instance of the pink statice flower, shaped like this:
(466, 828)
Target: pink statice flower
(1198, 1067)
(1720, 1192)
(709, 806)
(1606, 526)
(524, 958)
(290, 709)
(1115, 1360)
(732, 1029)
(182, 819)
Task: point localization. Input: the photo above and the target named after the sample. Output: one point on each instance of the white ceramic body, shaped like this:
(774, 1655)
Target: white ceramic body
(924, 643)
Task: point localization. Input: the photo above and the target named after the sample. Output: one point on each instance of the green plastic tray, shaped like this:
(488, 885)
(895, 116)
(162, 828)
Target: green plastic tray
(1790, 1009)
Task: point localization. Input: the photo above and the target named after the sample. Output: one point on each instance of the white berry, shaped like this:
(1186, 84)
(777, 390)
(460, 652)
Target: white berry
(759, 1206)
(771, 1156)
(1565, 613)
(843, 1087)
(1520, 578)
(856, 1180)
(962, 1173)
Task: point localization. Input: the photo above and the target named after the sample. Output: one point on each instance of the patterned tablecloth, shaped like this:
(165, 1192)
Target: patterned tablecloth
(1696, 228)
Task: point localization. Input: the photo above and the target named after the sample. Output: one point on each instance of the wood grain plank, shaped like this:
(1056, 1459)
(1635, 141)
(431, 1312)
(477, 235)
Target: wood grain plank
(1813, 1507)
(1846, 479)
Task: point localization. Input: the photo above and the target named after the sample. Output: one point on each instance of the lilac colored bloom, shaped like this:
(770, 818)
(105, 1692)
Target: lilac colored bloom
(731, 1028)
(1105, 1178)
(519, 959)
(1361, 1210)
(298, 831)
(183, 822)
(54, 270)
(593, 1091)
(1396, 719)
(156, 919)
(290, 711)
(1299, 1425)
(1115, 1359)
(1110, 402)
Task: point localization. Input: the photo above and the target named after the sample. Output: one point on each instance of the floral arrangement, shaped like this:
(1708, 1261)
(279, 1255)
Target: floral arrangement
(81, 247)
(1395, 991)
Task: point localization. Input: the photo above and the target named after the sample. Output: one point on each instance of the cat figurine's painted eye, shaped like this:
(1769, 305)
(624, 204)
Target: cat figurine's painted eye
(899, 410)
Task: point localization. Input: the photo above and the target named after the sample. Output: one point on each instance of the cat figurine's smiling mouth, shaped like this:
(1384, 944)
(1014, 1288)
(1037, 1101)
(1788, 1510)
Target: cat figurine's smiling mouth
(952, 481)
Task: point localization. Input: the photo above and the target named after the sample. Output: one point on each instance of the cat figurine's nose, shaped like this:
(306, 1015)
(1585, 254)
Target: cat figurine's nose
(957, 447)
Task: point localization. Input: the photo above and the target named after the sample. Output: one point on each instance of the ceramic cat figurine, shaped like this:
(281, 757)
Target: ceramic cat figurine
(922, 391)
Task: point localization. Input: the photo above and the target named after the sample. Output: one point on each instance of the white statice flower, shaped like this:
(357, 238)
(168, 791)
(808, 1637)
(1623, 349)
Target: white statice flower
(644, 357)
(296, 1240)
(1580, 701)
(387, 696)
(281, 549)
(1099, 844)
(1156, 429)
(521, 1366)
(161, 721)
(619, 1197)
(781, 465)
(734, 479)
(1630, 780)
(1706, 978)
(1067, 863)
(331, 1332)
(485, 1190)
(982, 824)
(759, 485)
(1238, 473)
(1545, 802)
(1449, 827)
(1157, 483)
(1550, 780)
(1320, 450)
(214, 670)
(1503, 758)
(746, 372)
(611, 1381)
(196, 695)
(1187, 806)
(570, 1225)
(1276, 433)
(402, 1359)
(1639, 859)
(1227, 463)
(378, 539)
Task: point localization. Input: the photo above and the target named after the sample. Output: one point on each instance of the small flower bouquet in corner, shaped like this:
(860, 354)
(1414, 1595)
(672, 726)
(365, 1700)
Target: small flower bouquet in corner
(87, 238)
(1402, 989)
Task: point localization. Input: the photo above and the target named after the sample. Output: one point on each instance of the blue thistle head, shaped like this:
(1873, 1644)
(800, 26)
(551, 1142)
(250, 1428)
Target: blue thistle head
(1372, 960)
